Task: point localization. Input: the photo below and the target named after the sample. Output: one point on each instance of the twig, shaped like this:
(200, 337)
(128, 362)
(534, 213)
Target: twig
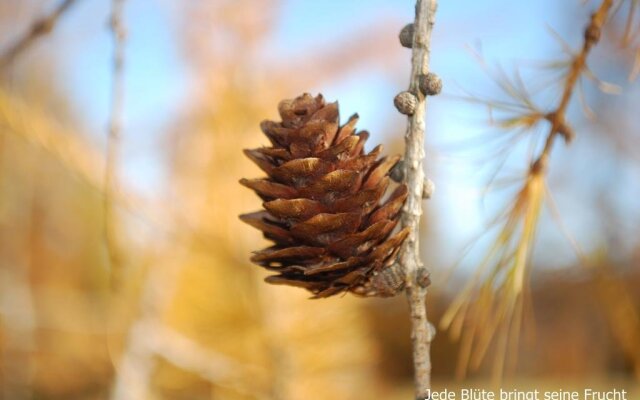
(135, 369)
(114, 137)
(39, 27)
(152, 338)
(416, 276)
(556, 118)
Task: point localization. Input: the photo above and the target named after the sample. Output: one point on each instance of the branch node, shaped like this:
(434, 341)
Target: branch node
(43, 26)
(432, 331)
(560, 126)
(406, 103)
(430, 84)
(540, 165)
(428, 188)
(406, 36)
(423, 277)
(566, 131)
(593, 32)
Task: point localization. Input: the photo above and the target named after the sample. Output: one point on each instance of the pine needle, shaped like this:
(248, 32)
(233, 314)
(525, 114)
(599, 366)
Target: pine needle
(489, 310)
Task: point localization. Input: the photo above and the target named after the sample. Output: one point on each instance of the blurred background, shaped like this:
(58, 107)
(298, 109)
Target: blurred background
(185, 315)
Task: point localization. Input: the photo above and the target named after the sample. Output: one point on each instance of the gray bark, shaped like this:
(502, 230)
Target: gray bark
(415, 274)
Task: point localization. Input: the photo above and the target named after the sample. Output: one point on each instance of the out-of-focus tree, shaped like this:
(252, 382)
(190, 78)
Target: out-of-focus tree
(53, 276)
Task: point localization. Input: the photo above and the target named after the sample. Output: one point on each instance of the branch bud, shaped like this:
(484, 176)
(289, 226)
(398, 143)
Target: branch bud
(430, 84)
(406, 103)
(432, 332)
(397, 172)
(43, 26)
(567, 132)
(428, 188)
(386, 283)
(423, 277)
(406, 36)
(592, 32)
(560, 125)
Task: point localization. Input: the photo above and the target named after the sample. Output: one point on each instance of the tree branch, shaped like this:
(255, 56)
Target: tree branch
(556, 118)
(114, 137)
(39, 27)
(416, 276)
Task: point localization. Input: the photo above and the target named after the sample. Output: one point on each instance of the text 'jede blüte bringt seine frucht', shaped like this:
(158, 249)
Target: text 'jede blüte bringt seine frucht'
(502, 394)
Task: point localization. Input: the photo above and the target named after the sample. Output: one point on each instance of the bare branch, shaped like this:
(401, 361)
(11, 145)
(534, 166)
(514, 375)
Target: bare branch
(416, 276)
(114, 137)
(39, 27)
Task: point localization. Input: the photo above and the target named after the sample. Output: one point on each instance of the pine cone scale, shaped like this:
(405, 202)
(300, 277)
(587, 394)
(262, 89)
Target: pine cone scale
(268, 256)
(294, 209)
(269, 189)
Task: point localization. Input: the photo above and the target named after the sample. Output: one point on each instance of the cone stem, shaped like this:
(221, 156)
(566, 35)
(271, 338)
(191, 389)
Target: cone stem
(415, 274)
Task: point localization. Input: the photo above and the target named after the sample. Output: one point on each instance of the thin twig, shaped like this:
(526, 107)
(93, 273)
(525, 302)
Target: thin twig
(556, 118)
(151, 338)
(415, 274)
(114, 137)
(39, 27)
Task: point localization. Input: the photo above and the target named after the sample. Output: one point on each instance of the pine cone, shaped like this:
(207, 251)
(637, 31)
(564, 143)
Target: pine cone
(323, 212)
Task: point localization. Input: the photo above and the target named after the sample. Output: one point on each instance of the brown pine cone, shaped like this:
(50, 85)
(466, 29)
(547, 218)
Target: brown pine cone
(322, 195)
